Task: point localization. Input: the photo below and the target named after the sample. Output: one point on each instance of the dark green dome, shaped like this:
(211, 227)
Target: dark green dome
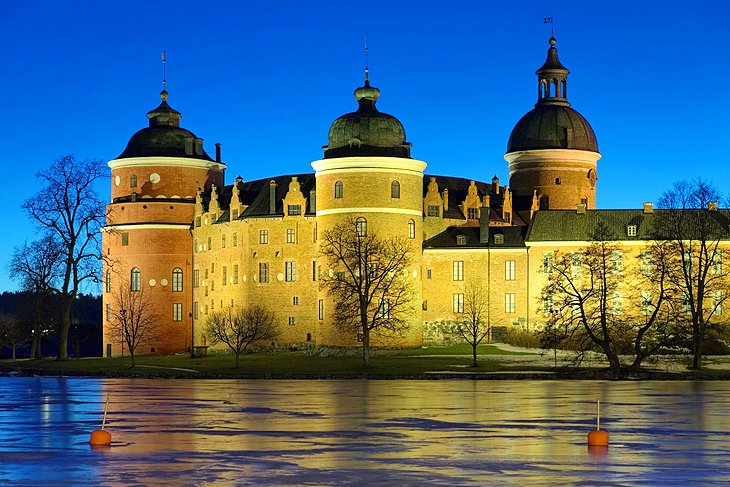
(552, 127)
(164, 137)
(367, 131)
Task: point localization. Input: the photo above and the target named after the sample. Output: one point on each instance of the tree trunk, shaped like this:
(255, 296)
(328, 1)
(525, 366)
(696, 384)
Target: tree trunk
(13, 351)
(474, 353)
(366, 347)
(35, 347)
(238, 354)
(131, 354)
(65, 327)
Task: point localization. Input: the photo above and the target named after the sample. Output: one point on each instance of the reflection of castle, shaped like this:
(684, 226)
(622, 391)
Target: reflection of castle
(195, 245)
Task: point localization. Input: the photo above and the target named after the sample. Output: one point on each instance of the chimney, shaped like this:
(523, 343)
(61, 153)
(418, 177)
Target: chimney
(272, 197)
(495, 184)
(446, 199)
(580, 208)
(648, 207)
(712, 206)
(313, 201)
(217, 152)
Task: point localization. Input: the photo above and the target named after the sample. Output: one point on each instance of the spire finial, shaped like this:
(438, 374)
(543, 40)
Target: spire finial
(164, 72)
(549, 20)
(367, 64)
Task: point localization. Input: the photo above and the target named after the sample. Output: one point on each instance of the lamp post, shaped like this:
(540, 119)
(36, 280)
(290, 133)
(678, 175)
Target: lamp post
(123, 311)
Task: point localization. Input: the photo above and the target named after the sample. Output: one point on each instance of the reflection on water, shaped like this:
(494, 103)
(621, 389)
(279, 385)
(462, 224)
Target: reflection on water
(362, 432)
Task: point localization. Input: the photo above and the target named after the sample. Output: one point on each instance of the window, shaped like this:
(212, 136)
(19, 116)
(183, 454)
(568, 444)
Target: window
(557, 181)
(314, 270)
(212, 267)
(548, 258)
(206, 291)
(177, 280)
(458, 268)
(225, 275)
(212, 285)
(292, 320)
(263, 236)
(547, 304)
(295, 300)
(235, 273)
(176, 311)
(196, 310)
(395, 189)
(235, 213)
(206, 273)
(576, 263)
(617, 303)
(646, 306)
(428, 273)
(206, 309)
(108, 312)
(338, 189)
(136, 279)
(686, 305)
(411, 228)
(210, 243)
(108, 281)
(646, 262)
(235, 239)
(384, 309)
(509, 303)
(291, 271)
(472, 213)
(717, 300)
(294, 209)
(432, 210)
(461, 240)
(509, 270)
(631, 230)
(197, 221)
(263, 272)
(617, 262)
(291, 235)
(458, 303)
(320, 309)
(361, 227)
(223, 241)
(196, 277)
(125, 239)
(499, 239)
(717, 262)
(133, 181)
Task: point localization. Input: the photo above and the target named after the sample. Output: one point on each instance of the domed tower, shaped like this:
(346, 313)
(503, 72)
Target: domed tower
(552, 151)
(367, 175)
(147, 241)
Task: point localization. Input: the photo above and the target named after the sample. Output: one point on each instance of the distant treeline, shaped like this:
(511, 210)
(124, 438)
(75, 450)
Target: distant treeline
(30, 322)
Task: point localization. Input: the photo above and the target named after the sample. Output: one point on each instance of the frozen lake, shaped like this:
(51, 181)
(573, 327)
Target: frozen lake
(181, 432)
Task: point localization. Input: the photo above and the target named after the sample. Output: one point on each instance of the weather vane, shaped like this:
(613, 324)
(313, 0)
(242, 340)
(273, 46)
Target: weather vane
(549, 20)
(164, 71)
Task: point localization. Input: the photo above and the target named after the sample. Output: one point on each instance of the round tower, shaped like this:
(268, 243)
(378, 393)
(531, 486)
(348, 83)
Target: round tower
(147, 241)
(368, 176)
(552, 151)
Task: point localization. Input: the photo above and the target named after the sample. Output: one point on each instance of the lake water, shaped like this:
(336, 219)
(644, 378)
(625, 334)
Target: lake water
(246, 432)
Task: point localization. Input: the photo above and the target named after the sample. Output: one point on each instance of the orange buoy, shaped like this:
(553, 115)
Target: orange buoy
(101, 437)
(598, 437)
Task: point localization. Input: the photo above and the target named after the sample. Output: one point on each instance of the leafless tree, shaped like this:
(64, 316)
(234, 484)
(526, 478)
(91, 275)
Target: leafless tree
(37, 267)
(238, 328)
(69, 208)
(134, 320)
(476, 308)
(12, 333)
(692, 228)
(368, 282)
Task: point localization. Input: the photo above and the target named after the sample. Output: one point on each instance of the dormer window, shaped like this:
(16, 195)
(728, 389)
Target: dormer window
(461, 240)
(499, 239)
(631, 230)
(472, 213)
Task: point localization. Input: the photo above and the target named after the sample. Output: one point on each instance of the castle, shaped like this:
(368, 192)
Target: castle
(196, 245)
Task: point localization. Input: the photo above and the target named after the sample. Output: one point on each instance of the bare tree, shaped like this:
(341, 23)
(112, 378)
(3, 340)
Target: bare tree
(37, 267)
(69, 208)
(238, 328)
(476, 308)
(134, 320)
(692, 227)
(12, 333)
(369, 282)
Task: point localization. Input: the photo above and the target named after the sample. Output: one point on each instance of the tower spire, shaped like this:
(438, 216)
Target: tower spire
(164, 72)
(367, 64)
(552, 78)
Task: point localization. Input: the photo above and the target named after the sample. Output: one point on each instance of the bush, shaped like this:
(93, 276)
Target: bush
(521, 337)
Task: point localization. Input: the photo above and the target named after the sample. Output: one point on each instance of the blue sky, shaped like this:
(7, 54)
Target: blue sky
(266, 79)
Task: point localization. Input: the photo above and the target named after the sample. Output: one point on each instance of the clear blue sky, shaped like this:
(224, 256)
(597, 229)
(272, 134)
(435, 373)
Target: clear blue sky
(266, 79)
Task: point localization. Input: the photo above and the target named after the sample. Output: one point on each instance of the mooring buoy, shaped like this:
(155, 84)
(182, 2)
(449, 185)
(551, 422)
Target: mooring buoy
(102, 437)
(598, 437)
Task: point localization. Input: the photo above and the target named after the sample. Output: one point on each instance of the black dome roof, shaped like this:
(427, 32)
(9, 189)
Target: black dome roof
(552, 127)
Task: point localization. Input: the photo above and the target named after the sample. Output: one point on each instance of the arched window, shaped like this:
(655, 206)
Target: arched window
(133, 181)
(338, 189)
(411, 228)
(395, 189)
(177, 280)
(563, 89)
(557, 181)
(361, 227)
(543, 89)
(136, 279)
(108, 281)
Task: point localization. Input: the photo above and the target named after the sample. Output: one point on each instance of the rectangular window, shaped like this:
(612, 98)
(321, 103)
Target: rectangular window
(314, 270)
(212, 267)
(235, 214)
(212, 285)
(458, 303)
(646, 263)
(458, 267)
(547, 304)
(291, 271)
(206, 309)
(291, 235)
(548, 259)
(263, 272)
(617, 303)
(176, 311)
(428, 273)
(196, 277)
(472, 213)
(576, 263)
(509, 303)
(617, 262)
(292, 320)
(717, 301)
(195, 310)
(195, 245)
(384, 309)
(125, 239)
(206, 291)
(108, 312)
(235, 239)
(295, 300)
(197, 221)
(320, 309)
(509, 270)
(294, 209)
(225, 275)
(646, 306)
(235, 273)
(717, 262)
(263, 236)
(223, 241)
(433, 210)
(206, 273)
(210, 243)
